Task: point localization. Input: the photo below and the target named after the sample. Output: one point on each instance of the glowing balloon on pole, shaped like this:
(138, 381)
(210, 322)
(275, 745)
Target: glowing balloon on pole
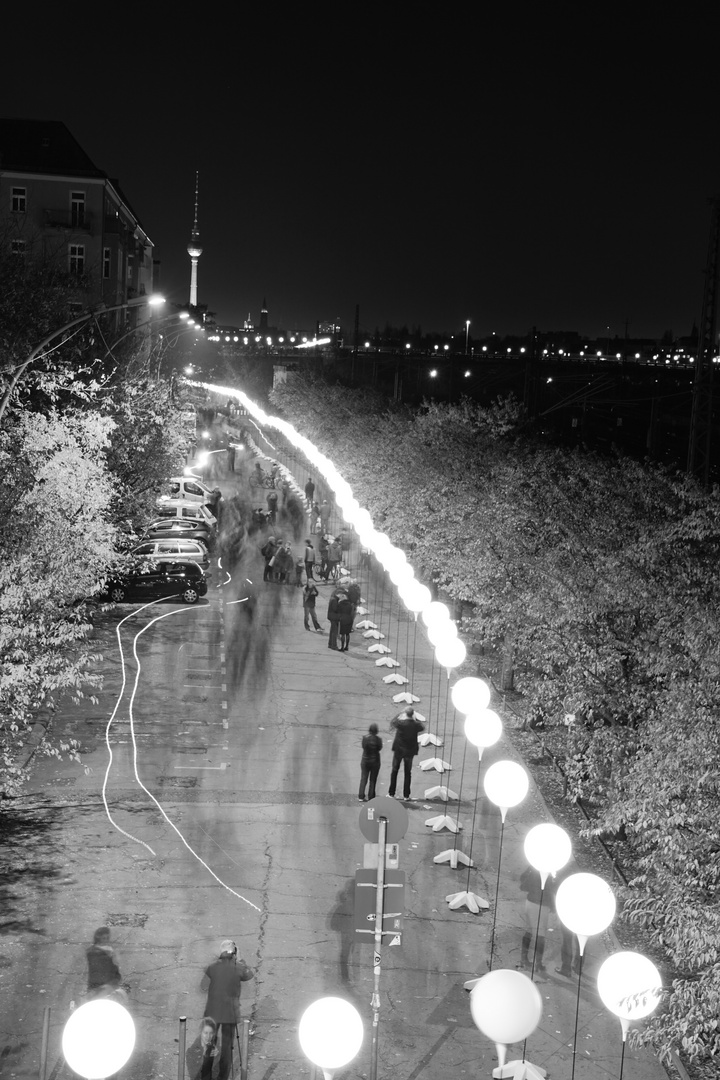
(506, 784)
(506, 1006)
(98, 1039)
(433, 612)
(629, 986)
(450, 654)
(586, 905)
(470, 694)
(330, 1033)
(548, 849)
(414, 595)
(441, 631)
(483, 729)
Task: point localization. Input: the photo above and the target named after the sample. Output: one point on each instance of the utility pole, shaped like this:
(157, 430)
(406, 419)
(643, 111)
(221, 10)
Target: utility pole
(701, 418)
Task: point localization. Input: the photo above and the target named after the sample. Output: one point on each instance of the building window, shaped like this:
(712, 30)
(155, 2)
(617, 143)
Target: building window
(106, 262)
(17, 247)
(19, 200)
(77, 259)
(77, 207)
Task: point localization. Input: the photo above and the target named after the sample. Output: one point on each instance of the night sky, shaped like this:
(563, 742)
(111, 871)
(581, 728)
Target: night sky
(430, 172)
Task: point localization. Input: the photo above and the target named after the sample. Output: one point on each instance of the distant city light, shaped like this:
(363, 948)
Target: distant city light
(433, 373)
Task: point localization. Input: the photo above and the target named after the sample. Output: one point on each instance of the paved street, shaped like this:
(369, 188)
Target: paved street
(235, 758)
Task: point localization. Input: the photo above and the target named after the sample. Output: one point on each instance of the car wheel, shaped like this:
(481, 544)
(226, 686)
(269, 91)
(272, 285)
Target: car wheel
(190, 595)
(117, 594)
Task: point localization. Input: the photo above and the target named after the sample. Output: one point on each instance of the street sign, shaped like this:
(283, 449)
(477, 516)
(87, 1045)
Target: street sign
(365, 905)
(371, 853)
(383, 806)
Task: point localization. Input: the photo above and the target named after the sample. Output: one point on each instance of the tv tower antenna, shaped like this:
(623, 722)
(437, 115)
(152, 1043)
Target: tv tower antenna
(194, 250)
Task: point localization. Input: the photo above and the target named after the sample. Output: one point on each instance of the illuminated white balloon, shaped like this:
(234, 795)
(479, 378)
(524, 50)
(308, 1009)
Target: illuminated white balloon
(506, 784)
(433, 612)
(483, 728)
(506, 1006)
(98, 1038)
(330, 1032)
(443, 630)
(414, 595)
(450, 653)
(585, 904)
(629, 986)
(547, 848)
(470, 694)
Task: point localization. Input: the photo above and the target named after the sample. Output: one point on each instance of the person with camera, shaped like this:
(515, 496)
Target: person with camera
(223, 981)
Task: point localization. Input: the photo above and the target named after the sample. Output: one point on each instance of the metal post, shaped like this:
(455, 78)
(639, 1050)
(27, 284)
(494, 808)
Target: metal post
(181, 1048)
(245, 1049)
(45, 1039)
(379, 906)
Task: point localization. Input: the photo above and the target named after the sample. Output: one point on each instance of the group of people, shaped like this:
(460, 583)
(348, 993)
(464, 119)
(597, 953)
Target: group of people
(407, 728)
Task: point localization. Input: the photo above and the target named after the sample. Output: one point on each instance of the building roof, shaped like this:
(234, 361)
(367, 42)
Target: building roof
(45, 147)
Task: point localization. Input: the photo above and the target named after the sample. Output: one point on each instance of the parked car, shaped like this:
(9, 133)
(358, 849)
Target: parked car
(179, 529)
(190, 489)
(182, 509)
(183, 551)
(184, 581)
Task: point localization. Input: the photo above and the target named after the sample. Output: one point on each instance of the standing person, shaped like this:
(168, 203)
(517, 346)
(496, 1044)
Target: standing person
(404, 747)
(272, 501)
(325, 515)
(309, 559)
(315, 522)
(103, 972)
(284, 490)
(284, 563)
(536, 915)
(299, 567)
(268, 552)
(334, 620)
(224, 980)
(354, 596)
(369, 762)
(334, 557)
(345, 541)
(310, 492)
(323, 545)
(345, 611)
(310, 595)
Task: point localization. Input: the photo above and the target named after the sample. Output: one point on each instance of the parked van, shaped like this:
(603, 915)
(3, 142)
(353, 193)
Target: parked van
(191, 489)
(181, 508)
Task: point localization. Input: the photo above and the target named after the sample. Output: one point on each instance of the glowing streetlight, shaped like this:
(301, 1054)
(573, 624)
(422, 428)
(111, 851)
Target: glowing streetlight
(467, 334)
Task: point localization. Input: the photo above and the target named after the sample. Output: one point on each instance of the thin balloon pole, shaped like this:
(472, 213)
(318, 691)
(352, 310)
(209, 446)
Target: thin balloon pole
(497, 891)
(472, 828)
(460, 787)
(412, 667)
(577, 1013)
(622, 1057)
(537, 931)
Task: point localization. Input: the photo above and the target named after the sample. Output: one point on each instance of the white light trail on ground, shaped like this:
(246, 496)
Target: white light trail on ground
(175, 611)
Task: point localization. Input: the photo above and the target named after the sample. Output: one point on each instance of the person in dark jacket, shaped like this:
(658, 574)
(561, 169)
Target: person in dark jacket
(309, 559)
(345, 611)
(268, 553)
(309, 597)
(103, 972)
(334, 619)
(310, 491)
(369, 762)
(404, 747)
(223, 980)
(354, 596)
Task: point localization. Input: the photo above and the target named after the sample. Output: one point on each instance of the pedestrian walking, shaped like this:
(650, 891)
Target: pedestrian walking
(404, 748)
(284, 563)
(369, 763)
(325, 515)
(334, 557)
(299, 567)
(536, 917)
(268, 552)
(223, 981)
(309, 559)
(272, 502)
(334, 620)
(345, 611)
(310, 492)
(104, 976)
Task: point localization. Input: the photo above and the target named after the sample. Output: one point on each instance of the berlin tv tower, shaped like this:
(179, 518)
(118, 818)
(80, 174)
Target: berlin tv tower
(194, 250)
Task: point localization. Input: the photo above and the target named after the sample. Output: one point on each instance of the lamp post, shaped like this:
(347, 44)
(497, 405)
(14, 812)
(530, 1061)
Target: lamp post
(138, 301)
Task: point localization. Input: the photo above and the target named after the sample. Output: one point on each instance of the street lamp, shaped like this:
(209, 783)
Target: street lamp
(153, 301)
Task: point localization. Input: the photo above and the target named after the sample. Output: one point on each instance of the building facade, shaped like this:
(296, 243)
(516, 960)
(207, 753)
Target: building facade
(57, 207)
